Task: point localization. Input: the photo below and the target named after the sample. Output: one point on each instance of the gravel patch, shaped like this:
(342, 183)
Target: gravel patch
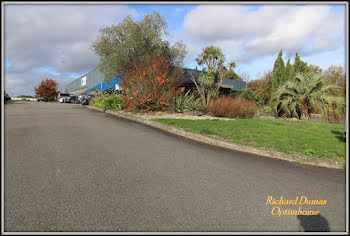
(191, 116)
(153, 115)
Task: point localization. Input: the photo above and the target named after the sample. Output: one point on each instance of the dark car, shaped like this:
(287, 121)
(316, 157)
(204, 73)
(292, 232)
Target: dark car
(7, 98)
(72, 99)
(79, 98)
(86, 99)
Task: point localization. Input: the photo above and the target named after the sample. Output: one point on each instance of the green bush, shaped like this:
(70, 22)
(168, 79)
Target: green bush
(96, 102)
(114, 102)
(249, 94)
(185, 102)
(266, 110)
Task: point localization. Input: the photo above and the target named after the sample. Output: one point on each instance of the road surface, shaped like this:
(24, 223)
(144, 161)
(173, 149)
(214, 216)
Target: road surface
(71, 169)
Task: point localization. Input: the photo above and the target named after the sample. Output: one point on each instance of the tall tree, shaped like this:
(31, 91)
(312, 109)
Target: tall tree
(212, 61)
(47, 89)
(279, 73)
(289, 70)
(121, 46)
(299, 65)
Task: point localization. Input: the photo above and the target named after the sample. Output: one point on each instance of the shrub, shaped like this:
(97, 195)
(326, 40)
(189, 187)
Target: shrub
(151, 84)
(114, 102)
(262, 86)
(306, 93)
(249, 94)
(185, 102)
(96, 102)
(334, 115)
(232, 107)
(266, 110)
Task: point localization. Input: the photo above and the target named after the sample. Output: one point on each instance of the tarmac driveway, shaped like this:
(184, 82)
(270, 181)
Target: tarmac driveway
(71, 169)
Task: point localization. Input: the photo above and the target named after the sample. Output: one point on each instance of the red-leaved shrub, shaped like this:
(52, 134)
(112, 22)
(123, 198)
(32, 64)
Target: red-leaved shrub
(151, 84)
(229, 107)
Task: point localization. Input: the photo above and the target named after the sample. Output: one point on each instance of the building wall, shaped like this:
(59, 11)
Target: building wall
(95, 80)
(91, 79)
(105, 85)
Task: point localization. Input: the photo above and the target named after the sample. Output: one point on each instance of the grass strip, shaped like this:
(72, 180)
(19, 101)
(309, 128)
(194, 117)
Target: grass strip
(305, 138)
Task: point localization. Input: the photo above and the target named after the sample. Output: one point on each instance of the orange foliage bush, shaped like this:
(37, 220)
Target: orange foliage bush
(150, 85)
(47, 89)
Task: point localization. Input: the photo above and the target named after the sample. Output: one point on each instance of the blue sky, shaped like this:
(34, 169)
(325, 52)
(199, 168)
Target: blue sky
(53, 40)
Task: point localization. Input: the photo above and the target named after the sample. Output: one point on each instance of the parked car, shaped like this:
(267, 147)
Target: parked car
(86, 99)
(79, 98)
(72, 99)
(40, 99)
(7, 98)
(62, 96)
(66, 98)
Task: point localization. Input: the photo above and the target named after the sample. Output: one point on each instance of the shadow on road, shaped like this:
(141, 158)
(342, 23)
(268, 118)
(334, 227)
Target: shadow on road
(313, 223)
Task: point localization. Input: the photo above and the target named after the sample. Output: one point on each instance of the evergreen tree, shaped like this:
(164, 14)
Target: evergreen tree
(279, 73)
(299, 66)
(289, 70)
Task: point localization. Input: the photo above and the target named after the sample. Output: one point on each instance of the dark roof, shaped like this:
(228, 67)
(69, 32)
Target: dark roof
(235, 85)
(186, 78)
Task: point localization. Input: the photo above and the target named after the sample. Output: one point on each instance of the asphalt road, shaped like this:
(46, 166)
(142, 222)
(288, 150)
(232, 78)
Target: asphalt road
(71, 169)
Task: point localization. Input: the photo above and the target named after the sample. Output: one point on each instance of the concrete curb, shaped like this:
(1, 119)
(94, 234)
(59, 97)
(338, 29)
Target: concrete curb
(232, 146)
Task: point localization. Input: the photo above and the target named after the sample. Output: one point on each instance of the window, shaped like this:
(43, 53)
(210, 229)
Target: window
(83, 81)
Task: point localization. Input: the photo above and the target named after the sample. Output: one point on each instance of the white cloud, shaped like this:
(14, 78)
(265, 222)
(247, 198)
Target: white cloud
(57, 36)
(212, 22)
(23, 83)
(325, 44)
(54, 36)
(247, 35)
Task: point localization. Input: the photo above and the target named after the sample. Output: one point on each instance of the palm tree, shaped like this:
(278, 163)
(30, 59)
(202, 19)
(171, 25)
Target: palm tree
(214, 71)
(306, 93)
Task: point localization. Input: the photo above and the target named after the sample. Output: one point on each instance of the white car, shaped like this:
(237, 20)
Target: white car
(66, 97)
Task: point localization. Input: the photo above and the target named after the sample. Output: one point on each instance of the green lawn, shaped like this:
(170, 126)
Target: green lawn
(305, 138)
